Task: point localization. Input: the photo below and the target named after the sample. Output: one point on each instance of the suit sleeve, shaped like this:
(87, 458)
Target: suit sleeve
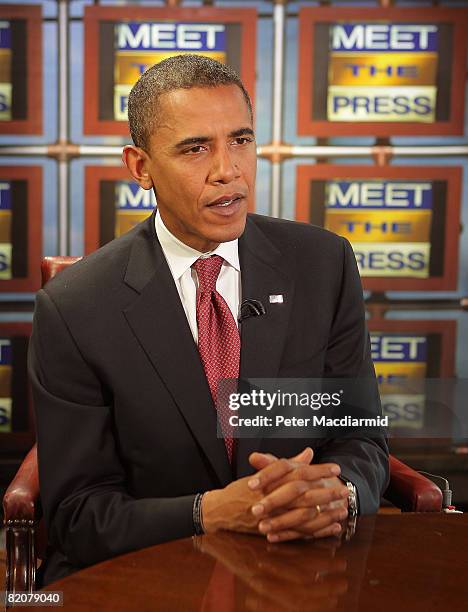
(363, 461)
(89, 513)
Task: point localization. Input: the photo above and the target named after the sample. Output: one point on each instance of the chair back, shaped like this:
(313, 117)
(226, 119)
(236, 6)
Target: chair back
(50, 266)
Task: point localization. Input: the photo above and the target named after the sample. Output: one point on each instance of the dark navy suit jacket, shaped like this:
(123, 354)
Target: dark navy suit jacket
(126, 426)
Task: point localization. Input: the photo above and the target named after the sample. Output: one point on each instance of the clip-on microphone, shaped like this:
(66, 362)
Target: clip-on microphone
(251, 308)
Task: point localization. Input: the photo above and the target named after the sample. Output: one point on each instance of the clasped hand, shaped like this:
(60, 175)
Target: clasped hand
(286, 499)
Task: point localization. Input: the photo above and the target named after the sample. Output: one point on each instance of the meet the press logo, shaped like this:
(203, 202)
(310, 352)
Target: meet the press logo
(398, 360)
(5, 231)
(132, 205)
(387, 222)
(5, 384)
(5, 71)
(383, 72)
(139, 45)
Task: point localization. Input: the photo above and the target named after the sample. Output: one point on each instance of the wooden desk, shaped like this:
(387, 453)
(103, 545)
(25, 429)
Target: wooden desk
(403, 563)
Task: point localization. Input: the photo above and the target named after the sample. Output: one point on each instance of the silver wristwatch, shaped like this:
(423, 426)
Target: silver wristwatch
(352, 498)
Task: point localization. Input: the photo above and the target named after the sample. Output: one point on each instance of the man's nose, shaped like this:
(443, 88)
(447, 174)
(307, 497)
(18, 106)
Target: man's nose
(224, 168)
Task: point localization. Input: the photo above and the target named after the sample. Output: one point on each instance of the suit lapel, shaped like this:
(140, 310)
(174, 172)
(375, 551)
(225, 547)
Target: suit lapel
(158, 320)
(264, 273)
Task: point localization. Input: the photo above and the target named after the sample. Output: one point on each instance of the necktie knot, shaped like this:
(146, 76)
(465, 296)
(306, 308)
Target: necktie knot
(208, 269)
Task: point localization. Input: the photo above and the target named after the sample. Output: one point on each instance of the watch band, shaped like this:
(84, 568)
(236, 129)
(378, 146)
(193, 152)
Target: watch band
(352, 498)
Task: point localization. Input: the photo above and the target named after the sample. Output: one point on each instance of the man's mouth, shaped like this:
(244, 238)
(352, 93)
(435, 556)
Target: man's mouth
(225, 201)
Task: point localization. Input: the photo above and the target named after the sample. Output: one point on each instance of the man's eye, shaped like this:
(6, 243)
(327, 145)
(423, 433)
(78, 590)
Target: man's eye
(240, 140)
(195, 149)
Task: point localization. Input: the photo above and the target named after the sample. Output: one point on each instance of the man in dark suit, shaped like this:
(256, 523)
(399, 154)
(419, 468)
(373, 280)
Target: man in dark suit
(129, 343)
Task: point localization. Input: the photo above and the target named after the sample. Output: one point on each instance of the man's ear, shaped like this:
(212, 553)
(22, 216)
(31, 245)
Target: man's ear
(137, 162)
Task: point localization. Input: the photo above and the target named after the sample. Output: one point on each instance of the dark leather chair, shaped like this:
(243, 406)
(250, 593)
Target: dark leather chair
(25, 533)
(26, 537)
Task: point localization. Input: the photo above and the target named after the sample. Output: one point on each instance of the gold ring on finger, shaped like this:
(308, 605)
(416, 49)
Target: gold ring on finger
(317, 508)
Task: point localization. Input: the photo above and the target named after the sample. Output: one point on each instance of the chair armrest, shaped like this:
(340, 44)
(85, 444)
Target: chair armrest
(19, 505)
(19, 501)
(410, 491)
(21, 557)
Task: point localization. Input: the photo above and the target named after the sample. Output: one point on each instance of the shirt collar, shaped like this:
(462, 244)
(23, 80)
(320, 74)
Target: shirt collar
(180, 257)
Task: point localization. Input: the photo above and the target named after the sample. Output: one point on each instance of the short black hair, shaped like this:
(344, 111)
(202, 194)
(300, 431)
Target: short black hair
(177, 72)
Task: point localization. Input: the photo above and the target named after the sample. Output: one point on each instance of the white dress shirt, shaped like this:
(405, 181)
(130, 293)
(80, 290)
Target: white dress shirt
(180, 258)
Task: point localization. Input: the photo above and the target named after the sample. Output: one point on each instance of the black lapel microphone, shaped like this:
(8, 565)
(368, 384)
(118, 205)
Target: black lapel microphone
(251, 308)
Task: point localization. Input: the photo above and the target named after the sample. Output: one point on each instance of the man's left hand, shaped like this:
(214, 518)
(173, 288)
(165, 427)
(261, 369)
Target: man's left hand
(304, 516)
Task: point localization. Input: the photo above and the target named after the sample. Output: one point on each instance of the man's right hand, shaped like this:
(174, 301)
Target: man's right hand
(231, 508)
(308, 516)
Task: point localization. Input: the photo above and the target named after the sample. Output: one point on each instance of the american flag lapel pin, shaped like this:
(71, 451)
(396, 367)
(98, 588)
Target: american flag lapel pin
(276, 299)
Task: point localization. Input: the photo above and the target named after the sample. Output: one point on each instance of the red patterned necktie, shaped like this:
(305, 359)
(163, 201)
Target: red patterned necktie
(218, 339)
